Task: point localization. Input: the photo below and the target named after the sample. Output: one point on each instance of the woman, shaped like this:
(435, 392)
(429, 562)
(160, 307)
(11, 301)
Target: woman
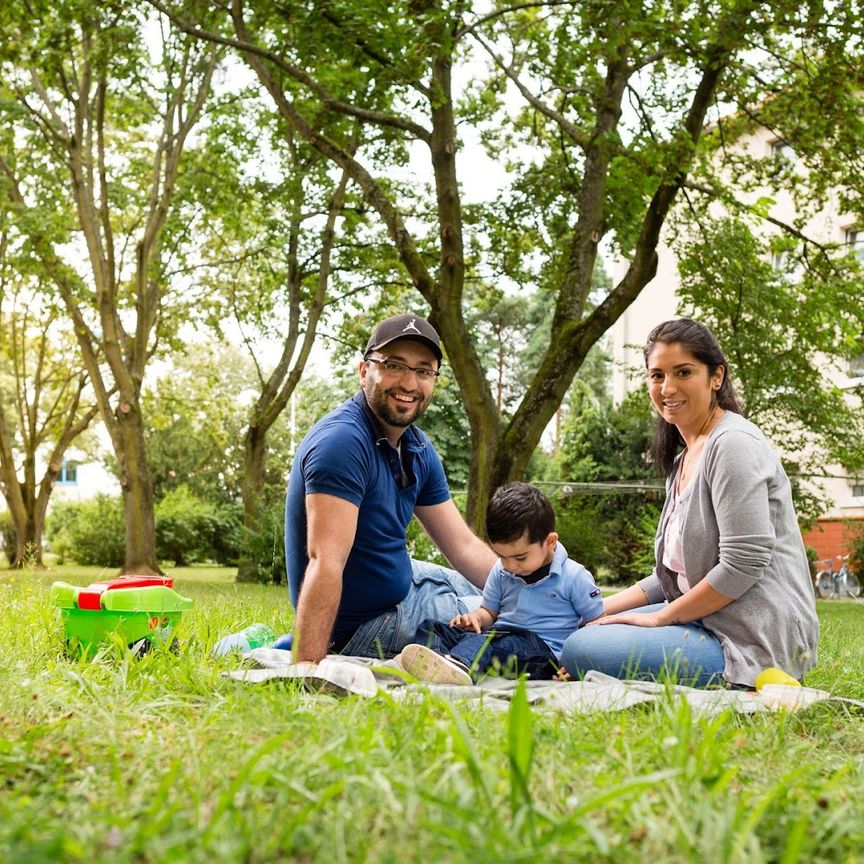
(731, 592)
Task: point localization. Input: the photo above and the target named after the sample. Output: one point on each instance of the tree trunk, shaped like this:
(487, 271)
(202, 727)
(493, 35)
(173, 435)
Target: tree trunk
(28, 544)
(18, 514)
(28, 517)
(137, 488)
(484, 474)
(255, 442)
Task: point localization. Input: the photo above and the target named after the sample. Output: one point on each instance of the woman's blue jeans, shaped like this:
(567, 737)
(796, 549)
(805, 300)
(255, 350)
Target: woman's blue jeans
(688, 653)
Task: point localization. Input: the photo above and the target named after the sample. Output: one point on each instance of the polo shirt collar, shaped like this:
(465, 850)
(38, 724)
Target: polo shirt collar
(556, 567)
(559, 559)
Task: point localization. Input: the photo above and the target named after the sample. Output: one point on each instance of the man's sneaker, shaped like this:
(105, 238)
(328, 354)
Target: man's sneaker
(423, 663)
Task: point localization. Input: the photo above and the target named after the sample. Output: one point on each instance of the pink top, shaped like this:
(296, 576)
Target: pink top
(673, 555)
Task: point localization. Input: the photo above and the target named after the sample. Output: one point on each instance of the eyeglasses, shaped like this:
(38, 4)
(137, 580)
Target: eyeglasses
(395, 368)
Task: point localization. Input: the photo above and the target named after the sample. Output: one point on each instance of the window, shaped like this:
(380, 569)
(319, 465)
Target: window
(858, 490)
(782, 150)
(855, 242)
(783, 260)
(856, 367)
(68, 473)
(787, 262)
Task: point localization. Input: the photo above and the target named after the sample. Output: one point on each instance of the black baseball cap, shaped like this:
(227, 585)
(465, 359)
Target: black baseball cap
(404, 327)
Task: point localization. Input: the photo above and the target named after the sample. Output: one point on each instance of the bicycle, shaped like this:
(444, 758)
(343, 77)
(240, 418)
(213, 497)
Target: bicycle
(837, 582)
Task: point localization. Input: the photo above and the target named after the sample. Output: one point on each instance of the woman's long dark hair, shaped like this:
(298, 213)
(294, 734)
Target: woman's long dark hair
(703, 345)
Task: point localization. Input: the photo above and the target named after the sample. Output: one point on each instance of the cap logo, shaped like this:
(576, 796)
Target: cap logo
(412, 326)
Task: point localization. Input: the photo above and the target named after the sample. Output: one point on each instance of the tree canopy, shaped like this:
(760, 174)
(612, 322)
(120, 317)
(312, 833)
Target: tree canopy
(96, 121)
(598, 114)
(464, 161)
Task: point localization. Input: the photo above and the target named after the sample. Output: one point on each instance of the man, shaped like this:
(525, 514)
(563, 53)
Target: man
(358, 477)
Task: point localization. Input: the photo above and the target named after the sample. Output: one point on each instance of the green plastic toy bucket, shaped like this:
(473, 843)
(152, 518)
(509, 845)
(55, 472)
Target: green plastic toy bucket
(139, 612)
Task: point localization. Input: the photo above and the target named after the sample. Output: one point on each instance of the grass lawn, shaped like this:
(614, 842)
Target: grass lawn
(161, 759)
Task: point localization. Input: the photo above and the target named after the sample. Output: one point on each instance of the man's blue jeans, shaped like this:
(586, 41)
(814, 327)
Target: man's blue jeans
(690, 653)
(436, 592)
(517, 651)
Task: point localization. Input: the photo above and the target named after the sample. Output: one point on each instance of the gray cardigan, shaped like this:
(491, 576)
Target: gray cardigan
(739, 531)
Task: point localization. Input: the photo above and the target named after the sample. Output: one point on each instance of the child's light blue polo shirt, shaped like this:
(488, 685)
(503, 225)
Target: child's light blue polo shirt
(552, 608)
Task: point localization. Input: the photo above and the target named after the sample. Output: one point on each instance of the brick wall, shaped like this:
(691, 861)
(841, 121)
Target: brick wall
(830, 537)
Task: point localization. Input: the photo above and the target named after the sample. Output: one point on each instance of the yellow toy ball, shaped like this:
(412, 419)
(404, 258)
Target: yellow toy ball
(773, 675)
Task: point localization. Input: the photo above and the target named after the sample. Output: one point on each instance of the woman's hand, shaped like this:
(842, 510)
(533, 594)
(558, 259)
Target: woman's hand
(699, 602)
(640, 619)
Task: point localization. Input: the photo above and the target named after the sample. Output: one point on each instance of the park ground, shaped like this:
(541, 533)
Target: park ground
(161, 759)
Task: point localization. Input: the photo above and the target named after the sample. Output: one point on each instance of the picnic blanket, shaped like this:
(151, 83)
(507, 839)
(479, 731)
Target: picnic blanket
(359, 676)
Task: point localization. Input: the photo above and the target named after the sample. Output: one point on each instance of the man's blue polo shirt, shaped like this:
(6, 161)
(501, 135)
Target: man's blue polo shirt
(345, 454)
(552, 608)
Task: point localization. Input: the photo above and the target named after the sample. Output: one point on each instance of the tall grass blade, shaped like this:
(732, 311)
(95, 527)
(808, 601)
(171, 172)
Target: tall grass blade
(520, 739)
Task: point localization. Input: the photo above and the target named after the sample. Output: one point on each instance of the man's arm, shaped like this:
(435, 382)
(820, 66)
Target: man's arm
(331, 527)
(465, 551)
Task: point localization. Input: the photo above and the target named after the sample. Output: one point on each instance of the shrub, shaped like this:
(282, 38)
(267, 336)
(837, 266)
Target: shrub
(421, 547)
(632, 523)
(577, 521)
(187, 530)
(856, 551)
(228, 538)
(812, 561)
(186, 527)
(265, 549)
(88, 532)
(610, 533)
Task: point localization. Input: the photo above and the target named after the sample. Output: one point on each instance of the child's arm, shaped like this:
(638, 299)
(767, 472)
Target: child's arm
(480, 619)
(592, 620)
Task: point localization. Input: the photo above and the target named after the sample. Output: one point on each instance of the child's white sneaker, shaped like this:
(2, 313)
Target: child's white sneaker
(424, 664)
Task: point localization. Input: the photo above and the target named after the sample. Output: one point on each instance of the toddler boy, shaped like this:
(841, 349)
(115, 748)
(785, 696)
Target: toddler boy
(534, 599)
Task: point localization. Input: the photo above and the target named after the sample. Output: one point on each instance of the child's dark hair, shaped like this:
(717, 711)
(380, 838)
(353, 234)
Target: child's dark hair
(516, 508)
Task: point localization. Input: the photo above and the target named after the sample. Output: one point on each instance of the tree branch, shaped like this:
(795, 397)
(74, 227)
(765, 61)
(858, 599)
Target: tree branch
(506, 10)
(372, 191)
(573, 131)
(249, 48)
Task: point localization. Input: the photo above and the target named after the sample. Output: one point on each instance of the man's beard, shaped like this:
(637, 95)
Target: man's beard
(381, 406)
